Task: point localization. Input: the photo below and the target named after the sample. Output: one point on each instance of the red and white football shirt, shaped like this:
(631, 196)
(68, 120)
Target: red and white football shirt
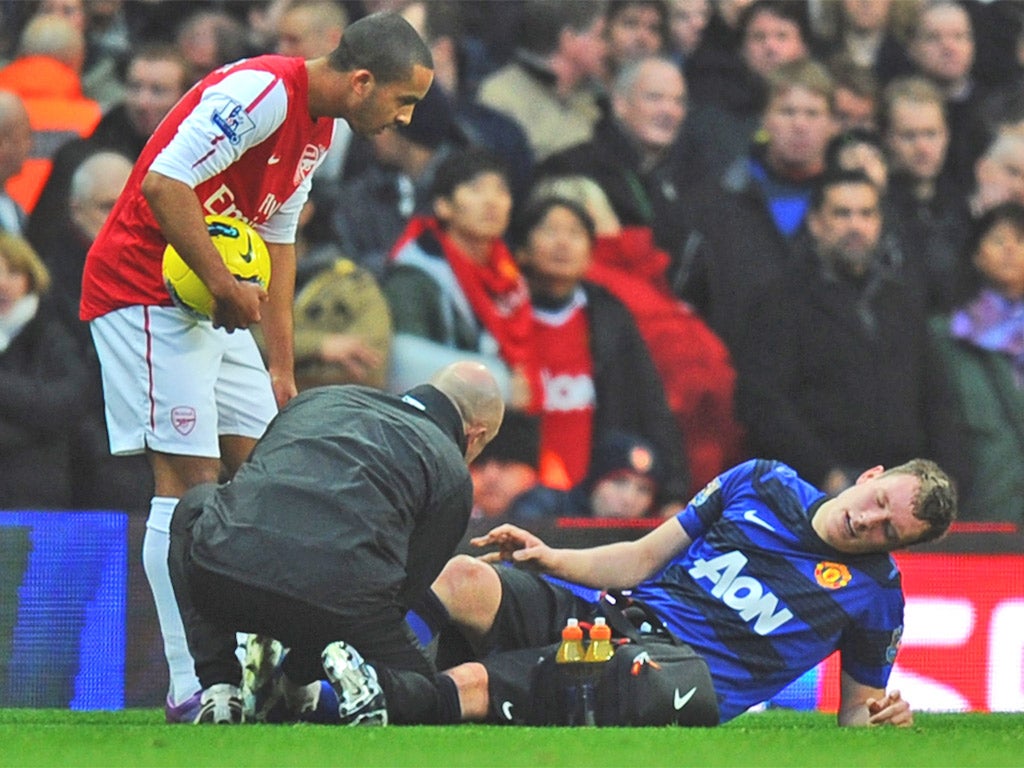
(243, 139)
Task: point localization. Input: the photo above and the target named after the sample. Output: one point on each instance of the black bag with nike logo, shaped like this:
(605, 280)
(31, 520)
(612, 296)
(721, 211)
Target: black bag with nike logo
(653, 679)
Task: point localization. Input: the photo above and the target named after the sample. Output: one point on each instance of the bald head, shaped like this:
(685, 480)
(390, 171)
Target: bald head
(475, 394)
(999, 172)
(15, 135)
(12, 109)
(1007, 144)
(311, 28)
(54, 36)
(95, 186)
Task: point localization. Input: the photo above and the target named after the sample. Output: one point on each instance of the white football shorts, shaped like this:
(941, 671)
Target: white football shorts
(174, 384)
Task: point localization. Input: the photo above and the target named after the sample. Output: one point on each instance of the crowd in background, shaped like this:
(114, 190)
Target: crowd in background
(681, 232)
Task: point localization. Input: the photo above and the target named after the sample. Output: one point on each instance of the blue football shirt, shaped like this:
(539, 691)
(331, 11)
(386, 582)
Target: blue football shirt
(764, 599)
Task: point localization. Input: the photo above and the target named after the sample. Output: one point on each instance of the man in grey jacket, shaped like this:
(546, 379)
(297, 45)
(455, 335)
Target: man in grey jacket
(346, 511)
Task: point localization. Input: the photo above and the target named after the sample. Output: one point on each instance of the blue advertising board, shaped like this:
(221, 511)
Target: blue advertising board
(63, 609)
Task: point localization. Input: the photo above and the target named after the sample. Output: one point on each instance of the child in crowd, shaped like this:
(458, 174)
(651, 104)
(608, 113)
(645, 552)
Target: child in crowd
(623, 481)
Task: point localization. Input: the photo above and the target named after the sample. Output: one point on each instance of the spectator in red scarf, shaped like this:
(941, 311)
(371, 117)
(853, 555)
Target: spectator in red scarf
(455, 292)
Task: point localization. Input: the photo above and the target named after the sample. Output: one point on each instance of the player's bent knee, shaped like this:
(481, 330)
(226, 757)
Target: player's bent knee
(464, 574)
(470, 591)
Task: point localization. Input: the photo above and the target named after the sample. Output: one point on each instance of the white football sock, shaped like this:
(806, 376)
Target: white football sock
(181, 669)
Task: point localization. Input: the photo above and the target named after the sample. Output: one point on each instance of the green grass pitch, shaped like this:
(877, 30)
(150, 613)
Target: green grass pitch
(139, 738)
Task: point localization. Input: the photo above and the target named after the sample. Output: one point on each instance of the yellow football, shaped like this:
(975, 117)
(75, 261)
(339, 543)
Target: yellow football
(244, 253)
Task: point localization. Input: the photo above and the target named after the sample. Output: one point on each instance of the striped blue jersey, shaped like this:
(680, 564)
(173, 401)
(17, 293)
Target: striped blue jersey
(764, 599)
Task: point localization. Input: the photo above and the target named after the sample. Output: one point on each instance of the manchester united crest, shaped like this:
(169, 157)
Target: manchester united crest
(831, 575)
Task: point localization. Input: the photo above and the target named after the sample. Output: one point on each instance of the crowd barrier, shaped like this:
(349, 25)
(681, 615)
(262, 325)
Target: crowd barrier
(78, 630)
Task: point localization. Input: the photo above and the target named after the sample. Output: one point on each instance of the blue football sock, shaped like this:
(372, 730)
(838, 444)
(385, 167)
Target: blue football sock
(427, 617)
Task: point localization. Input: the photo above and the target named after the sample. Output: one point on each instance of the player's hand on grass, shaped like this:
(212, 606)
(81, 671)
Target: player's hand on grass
(239, 305)
(514, 544)
(892, 709)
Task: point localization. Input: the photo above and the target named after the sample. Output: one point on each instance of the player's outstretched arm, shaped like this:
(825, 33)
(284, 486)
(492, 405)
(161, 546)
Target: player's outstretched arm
(864, 705)
(620, 565)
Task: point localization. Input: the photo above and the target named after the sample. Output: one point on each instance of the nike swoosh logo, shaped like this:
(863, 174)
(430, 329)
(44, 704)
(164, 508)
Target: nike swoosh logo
(273, 160)
(506, 710)
(751, 517)
(249, 255)
(680, 700)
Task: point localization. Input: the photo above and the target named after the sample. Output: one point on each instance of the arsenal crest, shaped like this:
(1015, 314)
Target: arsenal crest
(183, 419)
